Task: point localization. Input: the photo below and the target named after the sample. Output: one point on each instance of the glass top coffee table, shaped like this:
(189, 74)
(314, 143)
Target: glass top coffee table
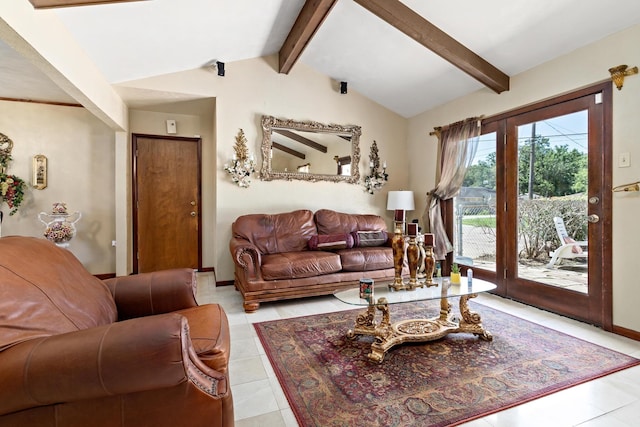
(388, 335)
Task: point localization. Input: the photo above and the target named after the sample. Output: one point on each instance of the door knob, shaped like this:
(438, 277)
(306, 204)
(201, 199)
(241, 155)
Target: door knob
(593, 218)
(193, 214)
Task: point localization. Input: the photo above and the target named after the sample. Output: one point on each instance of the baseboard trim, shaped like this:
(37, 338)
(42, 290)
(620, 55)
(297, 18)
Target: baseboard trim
(112, 275)
(224, 283)
(629, 333)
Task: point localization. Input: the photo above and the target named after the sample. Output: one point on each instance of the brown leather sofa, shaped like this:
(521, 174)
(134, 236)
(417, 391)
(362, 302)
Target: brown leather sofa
(299, 254)
(128, 351)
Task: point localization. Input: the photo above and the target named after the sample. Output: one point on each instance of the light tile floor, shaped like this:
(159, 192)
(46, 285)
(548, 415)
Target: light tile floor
(611, 401)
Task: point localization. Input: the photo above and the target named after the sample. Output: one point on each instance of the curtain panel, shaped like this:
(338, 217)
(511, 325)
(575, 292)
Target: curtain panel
(458, 142)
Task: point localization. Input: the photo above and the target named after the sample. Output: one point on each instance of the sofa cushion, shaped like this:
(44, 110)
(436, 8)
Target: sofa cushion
(330, 242)
(369, 238)
(366, 258)
(45, 290)
(271, 234)
(297, 265)
(332, 222)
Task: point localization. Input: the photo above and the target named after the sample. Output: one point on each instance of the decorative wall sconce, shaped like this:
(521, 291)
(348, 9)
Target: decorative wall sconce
(242, 165)
(6, 145)
(620, 72)
(12, 188)
(39, 172)
(376, 179)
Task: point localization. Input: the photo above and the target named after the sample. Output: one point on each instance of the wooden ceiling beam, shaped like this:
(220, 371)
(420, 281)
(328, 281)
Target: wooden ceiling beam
(309, 19)
(301, 139)
(48, 4)
(287, 150)
(424, 32)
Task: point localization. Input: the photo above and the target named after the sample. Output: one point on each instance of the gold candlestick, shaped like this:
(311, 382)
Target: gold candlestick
(429, 266)
(421, 273)
(413, 253)
(397, 244)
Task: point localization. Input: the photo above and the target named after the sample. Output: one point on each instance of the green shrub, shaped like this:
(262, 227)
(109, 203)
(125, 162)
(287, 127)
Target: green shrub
(537, 231)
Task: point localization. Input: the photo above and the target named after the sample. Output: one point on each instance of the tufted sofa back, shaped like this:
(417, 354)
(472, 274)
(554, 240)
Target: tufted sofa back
(332, 222)
(276, 233)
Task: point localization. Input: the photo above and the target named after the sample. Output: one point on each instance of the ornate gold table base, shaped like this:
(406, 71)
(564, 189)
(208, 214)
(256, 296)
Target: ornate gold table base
(388, 335)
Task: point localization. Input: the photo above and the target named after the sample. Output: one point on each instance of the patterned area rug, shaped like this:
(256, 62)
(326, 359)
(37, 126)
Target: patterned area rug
(329, 381)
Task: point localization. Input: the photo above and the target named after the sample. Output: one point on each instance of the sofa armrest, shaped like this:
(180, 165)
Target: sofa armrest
(157, 292)
(124, 357)
(247, 257)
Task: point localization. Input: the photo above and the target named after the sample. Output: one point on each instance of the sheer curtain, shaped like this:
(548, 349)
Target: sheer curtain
(458, 143)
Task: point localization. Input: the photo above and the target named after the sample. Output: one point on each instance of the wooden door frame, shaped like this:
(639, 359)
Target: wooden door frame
(134, 191)
(498, 123)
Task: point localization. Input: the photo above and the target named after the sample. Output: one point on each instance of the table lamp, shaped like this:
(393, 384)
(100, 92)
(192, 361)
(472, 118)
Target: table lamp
(400, 202)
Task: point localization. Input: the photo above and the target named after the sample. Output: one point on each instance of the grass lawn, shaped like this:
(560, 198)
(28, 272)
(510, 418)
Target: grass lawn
(480, 221)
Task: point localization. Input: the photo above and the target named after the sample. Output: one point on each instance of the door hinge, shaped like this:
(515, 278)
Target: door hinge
(598, 98)
(504, 274)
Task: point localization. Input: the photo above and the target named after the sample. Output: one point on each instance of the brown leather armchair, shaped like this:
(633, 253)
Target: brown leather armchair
(128, 351)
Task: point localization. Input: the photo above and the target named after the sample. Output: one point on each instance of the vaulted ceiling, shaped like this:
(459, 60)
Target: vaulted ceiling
(409, 55)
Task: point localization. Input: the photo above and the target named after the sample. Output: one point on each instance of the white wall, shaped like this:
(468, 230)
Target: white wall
(80, 153)
(578, 69)
(253, 88)
(40, 36)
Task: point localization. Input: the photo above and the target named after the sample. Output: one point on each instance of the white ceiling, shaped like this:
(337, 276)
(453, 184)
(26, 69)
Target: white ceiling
(129, 41)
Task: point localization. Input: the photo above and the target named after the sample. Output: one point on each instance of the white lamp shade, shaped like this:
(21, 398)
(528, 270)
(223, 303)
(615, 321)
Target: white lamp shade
(400, 200)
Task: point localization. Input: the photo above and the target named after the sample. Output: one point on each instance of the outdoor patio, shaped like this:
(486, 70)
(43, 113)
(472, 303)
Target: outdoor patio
(479, 246)
(571, 276)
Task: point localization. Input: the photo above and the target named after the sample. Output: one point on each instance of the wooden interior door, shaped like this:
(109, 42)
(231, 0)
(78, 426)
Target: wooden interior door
(166, 203)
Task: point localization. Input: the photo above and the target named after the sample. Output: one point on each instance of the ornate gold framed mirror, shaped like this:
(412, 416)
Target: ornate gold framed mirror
(309, 151)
